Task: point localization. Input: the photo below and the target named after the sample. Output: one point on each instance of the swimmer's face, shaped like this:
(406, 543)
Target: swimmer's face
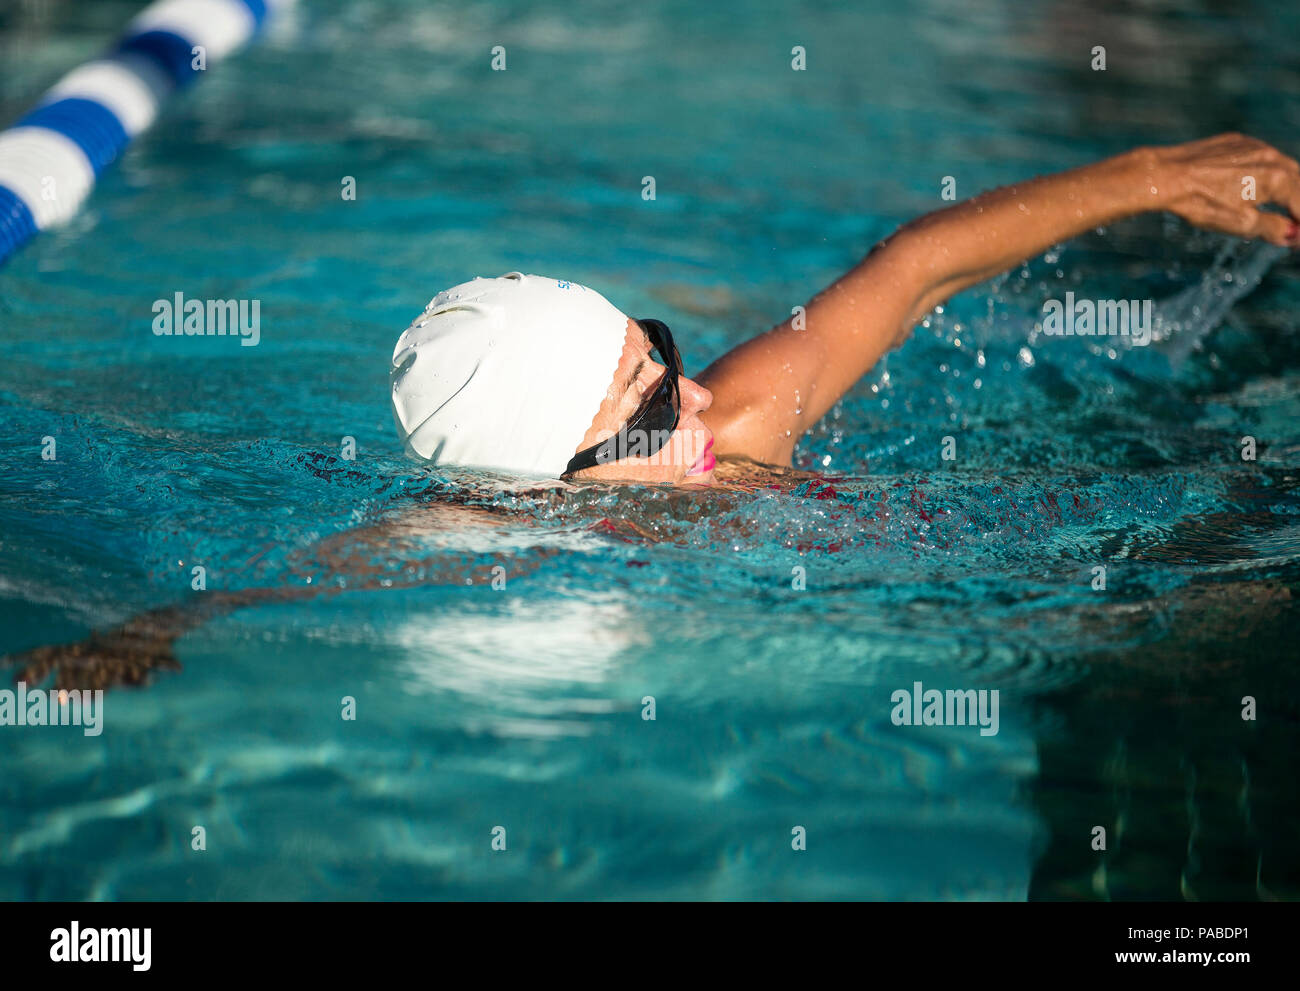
(686, 458)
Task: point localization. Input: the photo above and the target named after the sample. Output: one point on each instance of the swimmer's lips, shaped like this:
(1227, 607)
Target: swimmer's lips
(705, 462)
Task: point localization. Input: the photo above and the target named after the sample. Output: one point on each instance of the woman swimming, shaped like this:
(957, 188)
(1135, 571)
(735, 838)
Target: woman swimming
(546, 379)
(515, 373)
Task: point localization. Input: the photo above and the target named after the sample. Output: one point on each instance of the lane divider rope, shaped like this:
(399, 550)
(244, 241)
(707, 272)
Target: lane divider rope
(50, 157)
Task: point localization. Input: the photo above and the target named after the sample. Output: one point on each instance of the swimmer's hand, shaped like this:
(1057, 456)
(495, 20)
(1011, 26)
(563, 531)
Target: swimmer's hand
(1219, 183)
(126, 655)
(130, 653)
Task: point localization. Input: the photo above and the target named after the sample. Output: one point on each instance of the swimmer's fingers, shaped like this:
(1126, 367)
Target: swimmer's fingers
(1286, 192)
(1278, 184)
(1248, 221)
(34, 666)
(1221, 182)
(99, 662)
(1244, 218)
(108, 669)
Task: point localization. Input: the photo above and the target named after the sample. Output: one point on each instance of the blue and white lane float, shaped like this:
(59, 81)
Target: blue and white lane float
(50, 158)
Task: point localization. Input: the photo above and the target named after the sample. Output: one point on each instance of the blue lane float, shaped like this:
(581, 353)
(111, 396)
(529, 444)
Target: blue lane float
(50, 157)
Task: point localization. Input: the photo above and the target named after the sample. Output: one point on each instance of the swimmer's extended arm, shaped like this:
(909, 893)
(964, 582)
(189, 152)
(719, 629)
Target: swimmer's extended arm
(771, 389)
(387, 555)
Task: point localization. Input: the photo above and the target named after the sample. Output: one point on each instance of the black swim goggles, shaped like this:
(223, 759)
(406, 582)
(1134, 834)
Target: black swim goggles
(647, 430)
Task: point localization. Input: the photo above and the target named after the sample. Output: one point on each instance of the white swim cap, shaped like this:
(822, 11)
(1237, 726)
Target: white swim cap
(506, 373)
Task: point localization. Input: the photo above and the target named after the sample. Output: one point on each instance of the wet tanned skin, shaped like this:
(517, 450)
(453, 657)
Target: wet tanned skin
(770, 390)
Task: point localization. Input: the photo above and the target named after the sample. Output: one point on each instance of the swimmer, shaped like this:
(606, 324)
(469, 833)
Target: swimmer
(543, 377)
(545, 381)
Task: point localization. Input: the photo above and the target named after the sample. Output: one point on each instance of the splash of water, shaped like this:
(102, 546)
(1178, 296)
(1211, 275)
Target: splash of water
(1183, 320)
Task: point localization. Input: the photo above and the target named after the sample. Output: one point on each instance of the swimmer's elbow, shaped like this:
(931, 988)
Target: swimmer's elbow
(906, 261)
(923, 308)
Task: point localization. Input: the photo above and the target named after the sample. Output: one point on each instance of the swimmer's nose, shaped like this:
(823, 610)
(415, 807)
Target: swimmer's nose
(695, 398)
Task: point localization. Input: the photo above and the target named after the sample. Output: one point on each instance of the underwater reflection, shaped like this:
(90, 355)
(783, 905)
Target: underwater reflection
(539, 668)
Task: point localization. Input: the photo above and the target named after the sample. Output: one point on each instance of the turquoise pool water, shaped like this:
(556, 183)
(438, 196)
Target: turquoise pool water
(522, 708)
